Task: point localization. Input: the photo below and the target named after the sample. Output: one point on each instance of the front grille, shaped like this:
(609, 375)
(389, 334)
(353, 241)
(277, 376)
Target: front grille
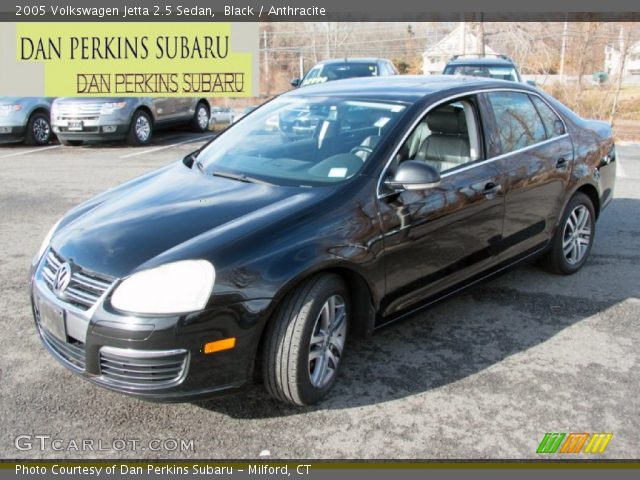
(143, 369)
(84, 289)
(78, 110)
(71, 352)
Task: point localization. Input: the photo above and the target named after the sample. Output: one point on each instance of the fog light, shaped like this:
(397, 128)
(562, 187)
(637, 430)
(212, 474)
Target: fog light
(220, 345)
(109, 129)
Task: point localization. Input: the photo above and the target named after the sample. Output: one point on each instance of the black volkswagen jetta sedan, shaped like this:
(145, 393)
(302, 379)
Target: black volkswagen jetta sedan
(260, 256)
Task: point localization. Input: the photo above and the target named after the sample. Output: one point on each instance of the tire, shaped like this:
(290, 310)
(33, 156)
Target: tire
(200, 122)
(141, 129)
(38, 129)
(71, 143)
(289, 372)
(567, 256)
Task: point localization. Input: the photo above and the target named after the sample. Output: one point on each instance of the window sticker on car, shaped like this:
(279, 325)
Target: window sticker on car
(313, 81)
(338, 172)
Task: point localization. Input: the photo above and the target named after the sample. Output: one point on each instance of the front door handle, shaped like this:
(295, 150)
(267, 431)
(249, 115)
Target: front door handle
(491, 189)
(561, 163)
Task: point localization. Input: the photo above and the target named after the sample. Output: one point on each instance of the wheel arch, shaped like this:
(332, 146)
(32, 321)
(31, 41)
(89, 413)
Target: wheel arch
(591, 192)
(205, 101)
(39, 109)
(362, 302)
(145, 109)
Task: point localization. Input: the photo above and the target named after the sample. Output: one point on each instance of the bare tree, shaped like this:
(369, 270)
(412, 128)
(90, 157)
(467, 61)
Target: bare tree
(625, 44)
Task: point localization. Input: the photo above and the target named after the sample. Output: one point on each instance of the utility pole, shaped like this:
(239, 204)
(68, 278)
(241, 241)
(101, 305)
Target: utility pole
(463, 37)
(301, 63)
(562, 50)
(266, 61)
(481, 34)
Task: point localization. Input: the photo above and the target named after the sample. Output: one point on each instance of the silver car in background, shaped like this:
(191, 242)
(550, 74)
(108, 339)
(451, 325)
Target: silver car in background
(25, 119)
(134, 119)
(222, 115)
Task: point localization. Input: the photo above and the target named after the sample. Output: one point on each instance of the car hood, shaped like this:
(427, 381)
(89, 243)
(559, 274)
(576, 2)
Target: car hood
(125, 228)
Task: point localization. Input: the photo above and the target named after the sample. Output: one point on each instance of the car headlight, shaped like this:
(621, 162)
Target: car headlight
(7, 109)
(110, 107)
(178, 287)
(45, 243)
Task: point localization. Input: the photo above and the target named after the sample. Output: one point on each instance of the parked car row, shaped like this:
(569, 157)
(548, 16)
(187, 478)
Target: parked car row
(35, 120)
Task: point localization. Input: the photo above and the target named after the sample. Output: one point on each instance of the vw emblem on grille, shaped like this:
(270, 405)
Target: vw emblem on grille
(63, 277)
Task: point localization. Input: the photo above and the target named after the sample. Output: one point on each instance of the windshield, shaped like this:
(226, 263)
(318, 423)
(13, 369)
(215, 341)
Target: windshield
(497, 72)
(338, 71)
(301, 141)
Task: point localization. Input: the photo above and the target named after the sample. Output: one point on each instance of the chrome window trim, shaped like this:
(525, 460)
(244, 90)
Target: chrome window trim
(469, 166)
(499, 157)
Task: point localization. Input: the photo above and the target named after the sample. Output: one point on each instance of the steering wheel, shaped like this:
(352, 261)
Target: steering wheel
(361, 148)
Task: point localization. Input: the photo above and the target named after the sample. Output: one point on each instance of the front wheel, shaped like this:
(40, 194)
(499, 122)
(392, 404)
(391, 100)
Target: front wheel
(305, 341)
(38, 129)
(573, 240)
(141, 128)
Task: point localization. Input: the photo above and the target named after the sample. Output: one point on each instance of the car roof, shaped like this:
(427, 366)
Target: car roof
(330, 61)
(405, 88)
(493, 61)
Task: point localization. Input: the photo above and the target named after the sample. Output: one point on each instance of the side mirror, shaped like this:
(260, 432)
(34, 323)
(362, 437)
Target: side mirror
(532, 83)
(190, 158)
(413, 175)
(295, 82)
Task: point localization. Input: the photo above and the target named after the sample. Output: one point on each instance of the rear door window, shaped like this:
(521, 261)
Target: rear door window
(552, 123)
(518, 123)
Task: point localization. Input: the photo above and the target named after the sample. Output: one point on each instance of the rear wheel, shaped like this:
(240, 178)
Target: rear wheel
(305, 341)
(200, 122)
(573, 240)
(38, 129)
(141, 129)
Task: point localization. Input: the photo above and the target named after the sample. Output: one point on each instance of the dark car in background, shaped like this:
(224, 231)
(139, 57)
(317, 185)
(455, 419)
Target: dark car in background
(341, 68)
(256, 255)
(76, 120)
(25, 119)
(498, 67)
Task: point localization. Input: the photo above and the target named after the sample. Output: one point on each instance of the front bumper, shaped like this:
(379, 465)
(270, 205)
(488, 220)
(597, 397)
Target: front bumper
(155, 358)
(89, 132)
(12, 133)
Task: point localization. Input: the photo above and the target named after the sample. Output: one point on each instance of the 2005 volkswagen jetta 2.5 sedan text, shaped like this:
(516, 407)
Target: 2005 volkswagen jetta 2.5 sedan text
(261, 256)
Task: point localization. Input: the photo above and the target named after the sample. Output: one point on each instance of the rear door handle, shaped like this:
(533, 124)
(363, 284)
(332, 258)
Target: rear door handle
(561, 163)
(491, 189)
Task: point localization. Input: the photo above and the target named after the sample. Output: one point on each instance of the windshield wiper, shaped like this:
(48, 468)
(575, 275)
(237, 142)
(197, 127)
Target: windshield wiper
(241, 178)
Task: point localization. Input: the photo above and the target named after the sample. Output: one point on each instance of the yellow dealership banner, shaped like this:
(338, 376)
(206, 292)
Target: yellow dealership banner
(141, 59)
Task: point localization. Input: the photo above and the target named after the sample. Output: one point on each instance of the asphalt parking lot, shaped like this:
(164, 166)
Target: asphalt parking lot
(483, 375)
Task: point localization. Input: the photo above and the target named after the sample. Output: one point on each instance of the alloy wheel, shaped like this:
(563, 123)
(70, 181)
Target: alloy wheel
(143, 128)
(203, 117)
(577, 235)
(41, 130)
(327, 341)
